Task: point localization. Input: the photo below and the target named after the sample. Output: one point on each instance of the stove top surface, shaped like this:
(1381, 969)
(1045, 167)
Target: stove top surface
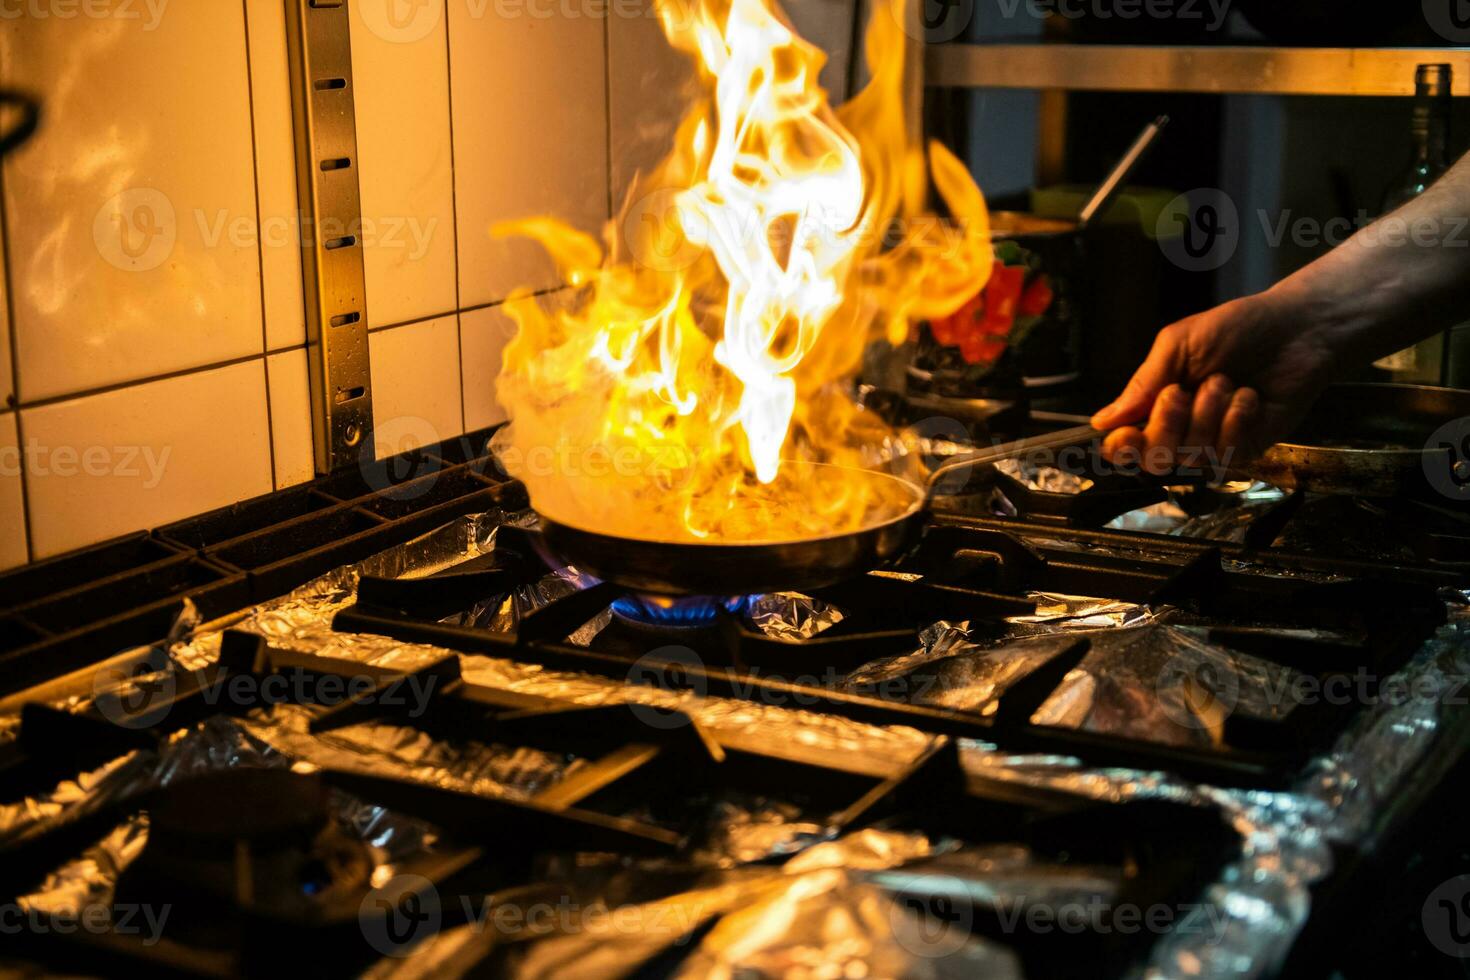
(452, 728)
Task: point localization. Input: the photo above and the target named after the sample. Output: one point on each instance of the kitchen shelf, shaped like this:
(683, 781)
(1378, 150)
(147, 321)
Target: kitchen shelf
(1215, 69)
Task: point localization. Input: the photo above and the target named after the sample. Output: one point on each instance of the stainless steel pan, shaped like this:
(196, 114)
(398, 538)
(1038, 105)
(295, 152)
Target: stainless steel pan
(1371, 440)
(1366, 440)
(694, 568)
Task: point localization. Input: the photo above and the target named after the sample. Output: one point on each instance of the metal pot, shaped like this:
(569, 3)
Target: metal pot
(1041, 352)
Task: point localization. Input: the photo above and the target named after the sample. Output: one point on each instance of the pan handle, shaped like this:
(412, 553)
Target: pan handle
(1052, 440)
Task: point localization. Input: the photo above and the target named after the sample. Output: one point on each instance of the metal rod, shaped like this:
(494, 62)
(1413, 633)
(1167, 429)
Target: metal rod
(1108, 190)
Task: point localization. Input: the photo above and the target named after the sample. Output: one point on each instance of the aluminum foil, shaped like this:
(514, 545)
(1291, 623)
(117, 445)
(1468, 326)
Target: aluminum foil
(1038, 476)
(791, 615)
(830, 910)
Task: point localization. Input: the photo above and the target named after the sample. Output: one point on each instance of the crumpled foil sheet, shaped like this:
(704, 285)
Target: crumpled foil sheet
(1141, 678)
(819, 911)
(1036, 476)
(791, 615)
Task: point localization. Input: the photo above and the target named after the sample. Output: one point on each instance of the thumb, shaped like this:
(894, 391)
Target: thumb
(1159, 370)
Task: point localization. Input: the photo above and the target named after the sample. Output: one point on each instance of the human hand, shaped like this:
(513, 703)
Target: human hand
(1218, 387)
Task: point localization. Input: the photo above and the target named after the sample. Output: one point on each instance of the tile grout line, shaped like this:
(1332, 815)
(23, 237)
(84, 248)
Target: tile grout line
(607, 109)
(270, 426)
(15, 403)
(454, 215)
(165, 376)
(246, 358)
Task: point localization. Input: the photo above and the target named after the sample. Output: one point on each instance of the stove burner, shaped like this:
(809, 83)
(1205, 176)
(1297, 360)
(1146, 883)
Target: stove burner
(243, 843)
(674, 612)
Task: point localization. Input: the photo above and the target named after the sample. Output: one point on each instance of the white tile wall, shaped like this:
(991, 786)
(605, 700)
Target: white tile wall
(275, 175)
(416, 379)
(649, 90)
(485, 334)
(400, 67)
(530, 135)
(144, 455)
(7, 390)
(131, 213)
(290, 403)
(154, 267)
(12, 503)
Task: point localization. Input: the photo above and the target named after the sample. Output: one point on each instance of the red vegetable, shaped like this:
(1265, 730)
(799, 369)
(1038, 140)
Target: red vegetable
(1002, 295)
(1037, 298)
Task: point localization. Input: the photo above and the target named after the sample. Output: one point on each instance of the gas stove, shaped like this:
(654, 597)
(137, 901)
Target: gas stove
(375, 718)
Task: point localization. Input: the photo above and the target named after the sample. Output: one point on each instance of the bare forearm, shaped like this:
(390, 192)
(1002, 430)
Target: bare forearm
(1401, 279)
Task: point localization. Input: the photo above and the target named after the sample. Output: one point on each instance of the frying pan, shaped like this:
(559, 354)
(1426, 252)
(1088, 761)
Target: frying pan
(747, 568)
(1371, 440)
(1359, 439)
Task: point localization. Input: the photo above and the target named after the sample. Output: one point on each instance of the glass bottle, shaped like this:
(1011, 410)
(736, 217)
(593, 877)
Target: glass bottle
(1427, 362)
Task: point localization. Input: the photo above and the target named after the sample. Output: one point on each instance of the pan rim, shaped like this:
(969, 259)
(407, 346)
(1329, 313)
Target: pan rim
(916, 506)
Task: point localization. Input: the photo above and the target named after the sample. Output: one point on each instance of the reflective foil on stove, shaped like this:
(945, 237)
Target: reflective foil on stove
(825, 917)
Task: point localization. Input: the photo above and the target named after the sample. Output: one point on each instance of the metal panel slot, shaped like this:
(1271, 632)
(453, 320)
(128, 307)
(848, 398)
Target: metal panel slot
(319, 43)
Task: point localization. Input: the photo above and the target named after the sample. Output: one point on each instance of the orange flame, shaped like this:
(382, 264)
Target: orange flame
(702, 363)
